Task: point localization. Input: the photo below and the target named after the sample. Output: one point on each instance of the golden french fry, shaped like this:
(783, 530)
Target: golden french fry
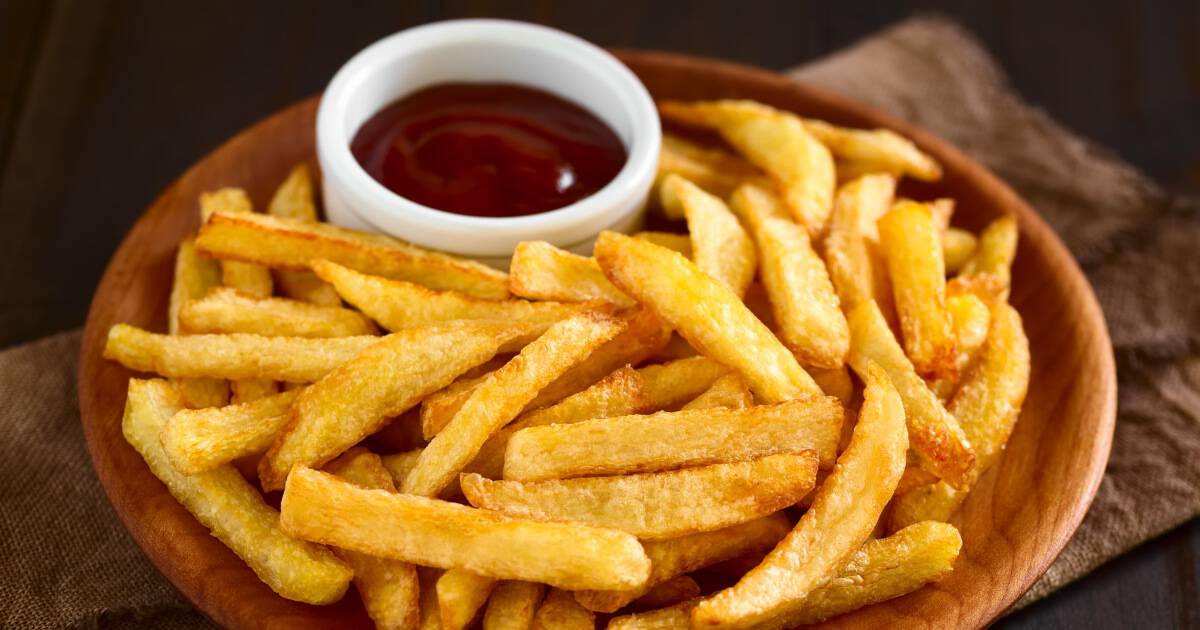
(958, 247)
(397, 305)
(400, 464)
(321, 508)
(504, 394)
(842, 516)
(512, 606)
(618, 394)
(560, 611)
(987, 404)
(461, 595)
(669, 593)
(802, 297)
(249, 390)
(996, 251)
(440, 407)
(777, 142)
(430, 616)
(202, 393)
(654, 506)
(389, 588)
(196, 440)
(729, 392)
(712, 169)
(677, 617)
(706, 313)
(883, 149)
(236, 356)
(835, 382)
(852, 256)
(934, 433)
(194, 276)
(225, 310)
(294, 200)
(291, 245)
(249, 278)
(383, 381)
(970, 320)
(676, 556)
(670, 385)
(223, 501)
(720, 246)
(681, 243)
(541, 271)
(914, 259)
(671, 439)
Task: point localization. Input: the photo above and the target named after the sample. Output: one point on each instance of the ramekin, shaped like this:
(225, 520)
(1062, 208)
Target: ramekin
(486, 51)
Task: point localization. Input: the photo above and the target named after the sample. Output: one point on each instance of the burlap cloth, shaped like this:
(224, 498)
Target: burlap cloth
(67, 562)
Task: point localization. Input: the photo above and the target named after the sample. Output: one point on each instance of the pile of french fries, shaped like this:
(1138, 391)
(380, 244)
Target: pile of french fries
(763, 422)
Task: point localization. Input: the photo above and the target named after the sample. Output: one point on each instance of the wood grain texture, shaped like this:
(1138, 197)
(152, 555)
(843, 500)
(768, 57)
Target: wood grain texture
(1014, 524)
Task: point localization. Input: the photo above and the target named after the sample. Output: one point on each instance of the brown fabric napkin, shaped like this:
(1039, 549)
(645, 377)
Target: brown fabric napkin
(68, 562)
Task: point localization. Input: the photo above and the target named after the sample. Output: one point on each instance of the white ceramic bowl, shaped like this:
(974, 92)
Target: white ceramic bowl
(486, 51)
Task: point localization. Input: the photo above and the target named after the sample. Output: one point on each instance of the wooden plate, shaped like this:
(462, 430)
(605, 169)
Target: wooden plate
(1014, 524)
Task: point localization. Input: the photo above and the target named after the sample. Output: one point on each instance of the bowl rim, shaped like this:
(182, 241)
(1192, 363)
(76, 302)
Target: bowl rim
(1103, 424)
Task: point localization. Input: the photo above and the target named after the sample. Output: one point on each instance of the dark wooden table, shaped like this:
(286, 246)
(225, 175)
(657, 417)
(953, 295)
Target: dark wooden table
(103, 102)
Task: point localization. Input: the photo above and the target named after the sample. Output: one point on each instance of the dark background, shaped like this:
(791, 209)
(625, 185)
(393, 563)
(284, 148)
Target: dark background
(103, 102)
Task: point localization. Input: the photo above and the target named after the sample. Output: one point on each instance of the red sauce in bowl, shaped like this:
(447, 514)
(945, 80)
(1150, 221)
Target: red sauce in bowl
(488, 149)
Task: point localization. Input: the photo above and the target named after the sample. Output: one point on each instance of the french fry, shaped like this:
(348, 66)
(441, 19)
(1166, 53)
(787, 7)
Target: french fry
(383, 381)
(194, 276)
(236, 356)
(249, 278)
(672, 439)
(681, 243)
(233, 510)
(835, 382)
(461, 595)
(883, 149)
(851, 249)
(653, 506)
(970, 320)
(677, 348)
(987, 404)
(389, 588)
(842, 516)
(399, 465)
(715, 170)
(202, 393)
(512, 606)
(291, 245)
(440, 407)
(504, 394)
(197, 440)
(913, 249)
(677, 617)
(251, 389)
(996, 251)
(934, 433)
(673, 591)
(670, 385)
(942, 209)
(541, 271)
(430, 616)
(958, 247)
(729, 392)
(677, 556)
(321, 508)
(560, 611)
(618, 394)
(720, 246)
(397, 305)
(706, 313)
(294, 200)
(882, 569)
(801, 294)
(777, 142)
(225, 310)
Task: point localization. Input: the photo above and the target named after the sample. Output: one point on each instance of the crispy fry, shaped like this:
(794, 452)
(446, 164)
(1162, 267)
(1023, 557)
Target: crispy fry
(856, 266)
(294, 200)
(676, 556)
(291, 245)
(669, 593)
(440, 407)
(461, 595)
(389, 588)
(996, 251)
(706, 313)
(842, 516)
(777, 142)
(560, 611)
(202, 393)
(987, 404)
(729, 392)
(958, 247)
(672, 439)
(252, 389)
(914, 259)
(660, 505)
(934, 433)
(970, 319)
(720, 246)
(802, 297)
(677, 617)
(249, 278)
(194, 276)
(225, 310)
(233, 510)
(512, 606)
(430, 617)
(322, 508)
(681, 243)
(196, 440)
(504, 394)
(883, 149)
(397, 305)
(541, 271)
(835, 382)
(231, 356)
(670, 385)
(399, 465)
(715, 170)
(359, 397)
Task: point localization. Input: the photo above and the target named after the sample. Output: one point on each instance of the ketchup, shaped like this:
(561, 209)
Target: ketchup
(488, 149)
